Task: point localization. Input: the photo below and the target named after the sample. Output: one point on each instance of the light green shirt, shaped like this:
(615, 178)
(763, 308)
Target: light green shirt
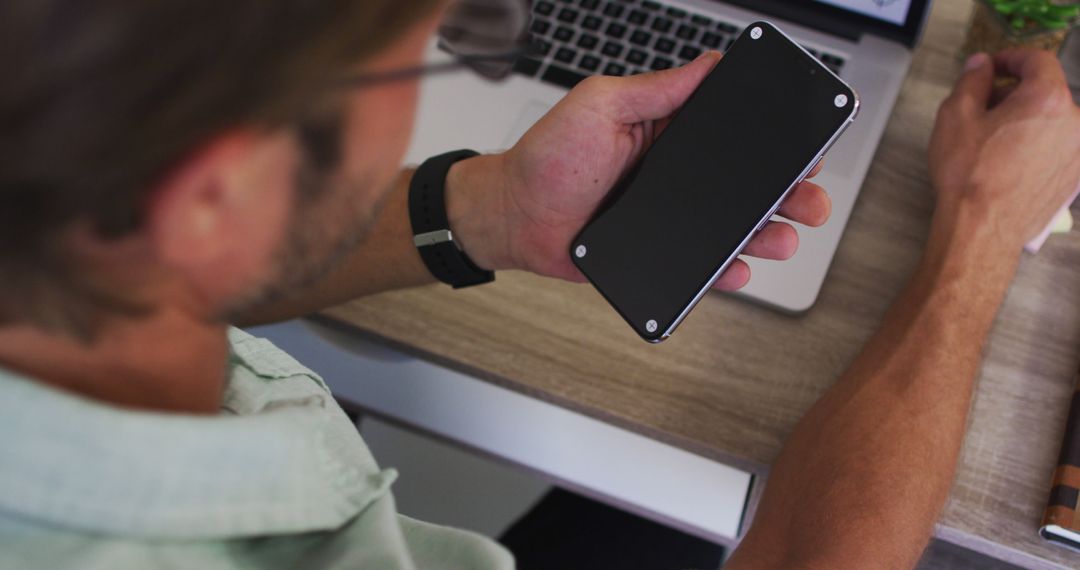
(279, 479)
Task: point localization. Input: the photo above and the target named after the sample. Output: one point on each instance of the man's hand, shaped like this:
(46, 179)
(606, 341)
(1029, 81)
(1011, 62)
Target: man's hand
(551, 182)
(1013, 157)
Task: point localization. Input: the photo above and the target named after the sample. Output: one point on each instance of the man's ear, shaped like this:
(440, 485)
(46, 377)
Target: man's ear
(221, 212)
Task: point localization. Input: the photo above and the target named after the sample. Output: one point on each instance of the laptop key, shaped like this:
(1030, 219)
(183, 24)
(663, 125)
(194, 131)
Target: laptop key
(589, 62)
(612, 49)
(544, 8)
(587, 41)
(689, 52)
(565, 55)
(563, 34)
(540, 27)
(613, 10)
(615, 69)
(568, 15)
(664, 45)
(637, 17)
(540, 47)
(711, 40)
(686, 32)
(700, 20)
(676, 13)
(640, 38)
(591, 23)
(561, 76)
(830, 59)
(661, 63)
(589, 4)
(661, 24)
(636, 56)
(727, 28)
(615, 30)
(650, 5)
(526, 65)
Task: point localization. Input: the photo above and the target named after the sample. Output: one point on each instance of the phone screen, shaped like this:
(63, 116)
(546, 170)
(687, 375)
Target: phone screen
(747, 135)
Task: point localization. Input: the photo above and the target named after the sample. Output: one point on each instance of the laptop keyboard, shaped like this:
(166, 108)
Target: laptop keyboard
(573, 39)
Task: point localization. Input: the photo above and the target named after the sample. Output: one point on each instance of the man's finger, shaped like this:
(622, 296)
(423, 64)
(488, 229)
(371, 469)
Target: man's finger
(971, 96)
(776, 240)
(1002, 92)
(650, 96)
(807, 204)
(734, 278)
(1027, 63)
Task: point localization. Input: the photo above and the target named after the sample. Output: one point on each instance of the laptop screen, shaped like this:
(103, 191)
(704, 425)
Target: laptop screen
(899, 20)
(892, 11)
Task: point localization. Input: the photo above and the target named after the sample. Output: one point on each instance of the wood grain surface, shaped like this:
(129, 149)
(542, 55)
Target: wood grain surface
(732, 382)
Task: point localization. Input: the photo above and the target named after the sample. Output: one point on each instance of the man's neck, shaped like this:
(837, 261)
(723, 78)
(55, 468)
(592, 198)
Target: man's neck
(166, 362)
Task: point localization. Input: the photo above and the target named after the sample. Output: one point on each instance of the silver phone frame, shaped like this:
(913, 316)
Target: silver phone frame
(798, 180)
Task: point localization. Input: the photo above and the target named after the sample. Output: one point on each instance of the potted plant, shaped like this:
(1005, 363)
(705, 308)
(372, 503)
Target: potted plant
(1000, 24)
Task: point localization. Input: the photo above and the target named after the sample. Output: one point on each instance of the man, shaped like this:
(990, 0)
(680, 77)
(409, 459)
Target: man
(167, 168)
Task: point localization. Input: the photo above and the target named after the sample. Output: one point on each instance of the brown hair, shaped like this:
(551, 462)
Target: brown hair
(101, 97)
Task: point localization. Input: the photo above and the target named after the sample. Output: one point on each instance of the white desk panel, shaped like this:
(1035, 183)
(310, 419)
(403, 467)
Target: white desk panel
(651, 478)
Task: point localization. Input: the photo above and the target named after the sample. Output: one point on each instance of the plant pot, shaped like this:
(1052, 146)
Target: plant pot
(990, 32)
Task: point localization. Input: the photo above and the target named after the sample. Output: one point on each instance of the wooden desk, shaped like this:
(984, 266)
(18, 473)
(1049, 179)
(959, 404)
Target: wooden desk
(731, 384)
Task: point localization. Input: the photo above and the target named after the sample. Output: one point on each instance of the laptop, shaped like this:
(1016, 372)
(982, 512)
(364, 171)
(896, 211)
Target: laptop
(867, 42)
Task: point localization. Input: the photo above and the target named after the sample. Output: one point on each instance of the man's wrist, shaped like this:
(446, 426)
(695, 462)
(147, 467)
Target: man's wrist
(476, 211)
(966, 240)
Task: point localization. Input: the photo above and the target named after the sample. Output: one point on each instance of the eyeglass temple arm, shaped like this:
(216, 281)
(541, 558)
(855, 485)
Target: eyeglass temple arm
(459, 61)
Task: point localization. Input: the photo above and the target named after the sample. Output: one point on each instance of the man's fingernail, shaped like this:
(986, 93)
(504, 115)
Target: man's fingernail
(975, 62)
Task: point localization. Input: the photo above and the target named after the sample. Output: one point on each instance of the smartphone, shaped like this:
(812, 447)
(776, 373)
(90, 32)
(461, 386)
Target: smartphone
(754, 128)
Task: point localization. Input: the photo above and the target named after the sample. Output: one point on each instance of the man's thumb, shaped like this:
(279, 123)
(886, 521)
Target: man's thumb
(972, 91)
(650, 96)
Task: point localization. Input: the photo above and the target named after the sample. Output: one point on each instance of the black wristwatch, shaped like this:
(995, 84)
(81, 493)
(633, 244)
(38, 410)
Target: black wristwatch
(431, 229)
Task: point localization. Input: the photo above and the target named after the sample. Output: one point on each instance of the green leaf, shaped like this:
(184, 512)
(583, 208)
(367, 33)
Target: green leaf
(1042, 13)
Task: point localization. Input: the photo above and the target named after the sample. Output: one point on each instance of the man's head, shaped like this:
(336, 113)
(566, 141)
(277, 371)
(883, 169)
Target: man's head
(194, 151)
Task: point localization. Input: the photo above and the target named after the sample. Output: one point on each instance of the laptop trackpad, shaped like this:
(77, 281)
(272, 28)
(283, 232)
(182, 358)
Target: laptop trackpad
(529, 114)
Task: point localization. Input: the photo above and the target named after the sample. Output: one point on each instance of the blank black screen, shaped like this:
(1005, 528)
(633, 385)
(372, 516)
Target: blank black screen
(740, 141)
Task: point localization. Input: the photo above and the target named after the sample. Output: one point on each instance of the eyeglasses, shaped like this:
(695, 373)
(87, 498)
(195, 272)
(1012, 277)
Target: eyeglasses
(486, 36)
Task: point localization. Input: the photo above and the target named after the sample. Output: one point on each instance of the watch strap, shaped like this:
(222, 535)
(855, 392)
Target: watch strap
(431, 228)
